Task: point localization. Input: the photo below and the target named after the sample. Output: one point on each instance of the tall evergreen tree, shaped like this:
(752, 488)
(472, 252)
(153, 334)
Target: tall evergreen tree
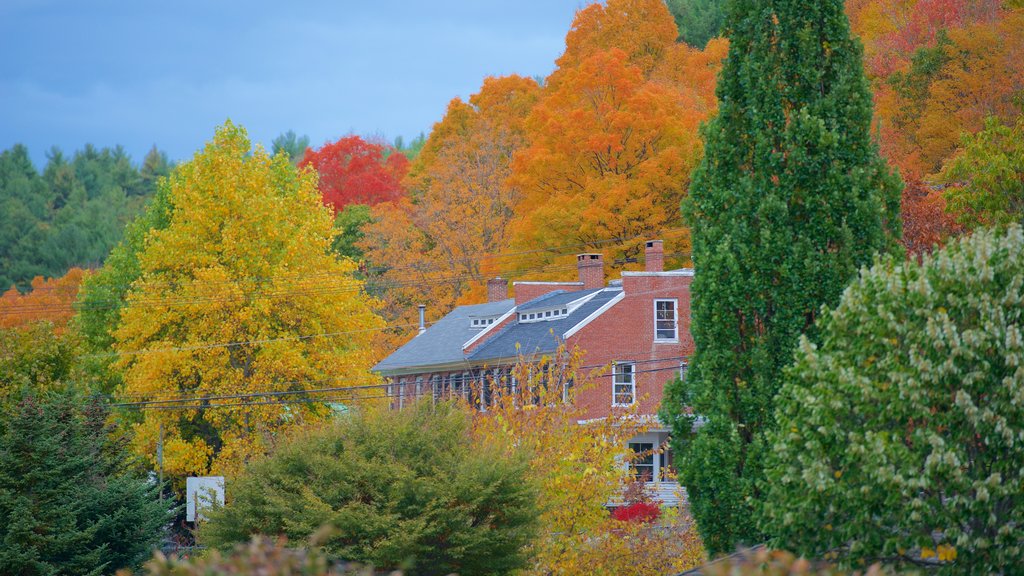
(790, 200)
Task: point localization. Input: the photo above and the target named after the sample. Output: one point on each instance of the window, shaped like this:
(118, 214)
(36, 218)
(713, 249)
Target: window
(682, 371)
(437, 387)
(419, 387)
(623, 383)
(666, 327)
(642, 464)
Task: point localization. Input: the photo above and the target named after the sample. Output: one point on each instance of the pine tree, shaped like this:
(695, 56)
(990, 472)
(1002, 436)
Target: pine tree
(68, 505)
(789, 201)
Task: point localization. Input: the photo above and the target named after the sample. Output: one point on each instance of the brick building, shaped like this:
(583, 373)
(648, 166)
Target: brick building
(634, 334)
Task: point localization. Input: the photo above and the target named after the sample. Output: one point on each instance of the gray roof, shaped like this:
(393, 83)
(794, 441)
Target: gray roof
(442, 342)
(554, 299)
(526, 338)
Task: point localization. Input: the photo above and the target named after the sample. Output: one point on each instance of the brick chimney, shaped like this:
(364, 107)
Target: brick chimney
(654, 256)
(591, 269)
(497, 289)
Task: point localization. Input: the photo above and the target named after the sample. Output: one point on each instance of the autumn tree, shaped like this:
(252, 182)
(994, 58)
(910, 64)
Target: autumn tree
(986, 179)
(238, 293)
(614, 137)
(643, 29)
(789, 200)
(428, 248)
(354, 171)
(50, 300)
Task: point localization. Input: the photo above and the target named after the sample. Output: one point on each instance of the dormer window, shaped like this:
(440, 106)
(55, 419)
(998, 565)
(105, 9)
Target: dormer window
(544, 315)
(481, 322)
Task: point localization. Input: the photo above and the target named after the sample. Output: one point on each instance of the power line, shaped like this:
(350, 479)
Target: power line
(283, 338)
(336, 379)
(117, 302)
(190, 402)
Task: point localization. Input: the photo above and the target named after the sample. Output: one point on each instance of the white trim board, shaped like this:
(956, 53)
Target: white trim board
(496, 323)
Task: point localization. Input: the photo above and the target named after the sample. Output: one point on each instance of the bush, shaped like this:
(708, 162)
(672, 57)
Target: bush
(400, 489)
(901, 437)
(67, 504)
(637, 512)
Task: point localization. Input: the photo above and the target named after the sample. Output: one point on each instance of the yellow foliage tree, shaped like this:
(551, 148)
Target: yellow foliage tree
(239, 294)
(581, 468)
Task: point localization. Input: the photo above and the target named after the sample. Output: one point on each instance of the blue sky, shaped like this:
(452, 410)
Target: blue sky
(139, 73)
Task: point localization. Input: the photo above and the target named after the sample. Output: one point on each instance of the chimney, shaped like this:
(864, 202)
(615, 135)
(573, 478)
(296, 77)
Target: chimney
(654, 256)
(423, 319)
(591, 269)
(497, 289)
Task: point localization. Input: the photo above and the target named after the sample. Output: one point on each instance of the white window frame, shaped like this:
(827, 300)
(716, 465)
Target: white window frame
(617, 372)
(675, 320)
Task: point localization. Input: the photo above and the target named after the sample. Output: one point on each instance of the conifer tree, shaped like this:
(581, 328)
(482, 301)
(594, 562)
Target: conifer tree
(789, 201)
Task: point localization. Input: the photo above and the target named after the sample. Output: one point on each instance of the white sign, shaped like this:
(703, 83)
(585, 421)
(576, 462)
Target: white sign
(202, 492)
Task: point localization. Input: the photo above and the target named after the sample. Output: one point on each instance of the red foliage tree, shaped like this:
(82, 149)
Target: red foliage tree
(354, 171)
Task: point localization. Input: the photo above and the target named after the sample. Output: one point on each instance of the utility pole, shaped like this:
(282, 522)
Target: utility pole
(160, 460)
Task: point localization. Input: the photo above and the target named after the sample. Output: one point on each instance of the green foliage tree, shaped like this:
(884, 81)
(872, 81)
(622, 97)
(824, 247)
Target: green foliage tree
(698, 20)
(397, 489)
(68, 504)
(986, 178)
(901, 434)
(790, 199)
(349, 223)
(154, 167)
(291, 144)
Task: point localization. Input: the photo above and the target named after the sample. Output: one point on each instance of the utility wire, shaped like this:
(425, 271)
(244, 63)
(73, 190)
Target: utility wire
(191, 403)
(354, 284)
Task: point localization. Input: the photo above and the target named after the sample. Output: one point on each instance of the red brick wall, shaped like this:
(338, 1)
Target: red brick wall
(625, 332)
(526, 291)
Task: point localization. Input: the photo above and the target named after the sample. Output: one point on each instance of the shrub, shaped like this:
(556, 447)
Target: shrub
(399, 489)
(637, 512)
(901, 437)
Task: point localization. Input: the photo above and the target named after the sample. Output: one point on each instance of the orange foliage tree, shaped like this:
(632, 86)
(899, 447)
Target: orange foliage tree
(938, 68)
(428, 248)
(49, 300)
(614, 138)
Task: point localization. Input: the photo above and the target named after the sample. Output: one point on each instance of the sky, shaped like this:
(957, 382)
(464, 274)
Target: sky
(141, 73)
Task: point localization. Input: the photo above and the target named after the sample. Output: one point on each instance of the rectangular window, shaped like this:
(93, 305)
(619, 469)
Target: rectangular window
(623, 384)
(642, 464)
(666, 325)
(682, 371)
